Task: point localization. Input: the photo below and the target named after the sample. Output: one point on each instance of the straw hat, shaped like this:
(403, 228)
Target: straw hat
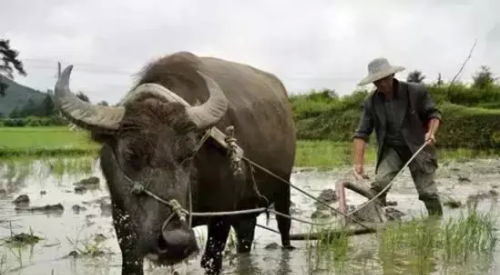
(379, 68)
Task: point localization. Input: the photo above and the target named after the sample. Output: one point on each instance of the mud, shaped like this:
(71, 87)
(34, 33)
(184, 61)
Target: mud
(68, 214)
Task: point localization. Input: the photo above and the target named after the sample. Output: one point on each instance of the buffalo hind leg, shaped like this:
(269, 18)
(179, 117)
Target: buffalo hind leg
(218, 231)
(244, 226)
(282, 205)
(132, 262)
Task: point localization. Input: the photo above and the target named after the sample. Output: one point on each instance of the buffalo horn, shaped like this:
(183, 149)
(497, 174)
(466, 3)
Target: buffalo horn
(203, 116)
(210, 112)
(82, 113)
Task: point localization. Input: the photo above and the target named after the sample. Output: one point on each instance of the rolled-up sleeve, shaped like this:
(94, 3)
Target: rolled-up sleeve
(365, 126)
(429, 109)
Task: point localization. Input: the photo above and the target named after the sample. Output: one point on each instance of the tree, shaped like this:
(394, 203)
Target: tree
(47, 107)
(103, 103)
(415, 76)
(15, 113)
(483, 78)
(9, 63)
(439, 81)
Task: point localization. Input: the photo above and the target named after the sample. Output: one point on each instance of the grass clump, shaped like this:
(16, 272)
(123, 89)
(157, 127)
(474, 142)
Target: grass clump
(22, 239)
(410, 245)
(329, 251)
(92, 246)
(468, 236)
(17, 169)
(81, 165)
(418, 246)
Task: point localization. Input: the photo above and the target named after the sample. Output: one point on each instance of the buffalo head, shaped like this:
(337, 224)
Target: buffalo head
(149, 138)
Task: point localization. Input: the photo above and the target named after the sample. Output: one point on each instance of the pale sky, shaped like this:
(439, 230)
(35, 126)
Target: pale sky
(310, 44)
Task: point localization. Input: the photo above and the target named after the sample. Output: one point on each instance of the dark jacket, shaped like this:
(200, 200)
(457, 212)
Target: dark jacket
(415, 108)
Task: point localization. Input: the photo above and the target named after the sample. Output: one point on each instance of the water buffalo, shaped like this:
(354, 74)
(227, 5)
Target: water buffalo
(148, 141)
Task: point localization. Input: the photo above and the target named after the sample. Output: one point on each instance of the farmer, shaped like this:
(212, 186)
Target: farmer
(404, 118)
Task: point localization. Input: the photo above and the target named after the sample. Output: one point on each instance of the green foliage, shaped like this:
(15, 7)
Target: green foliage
(471, 118)
(311, 105)
(31, 121)
(43, 109)
(483, 78)
(469, 127)
(10, 58)
(415, 76)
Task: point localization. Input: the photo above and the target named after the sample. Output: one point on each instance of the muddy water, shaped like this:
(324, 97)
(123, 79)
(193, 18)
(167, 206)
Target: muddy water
(84, 225)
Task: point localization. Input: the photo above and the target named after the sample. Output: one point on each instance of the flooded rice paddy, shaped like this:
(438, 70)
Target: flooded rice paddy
(65, 226)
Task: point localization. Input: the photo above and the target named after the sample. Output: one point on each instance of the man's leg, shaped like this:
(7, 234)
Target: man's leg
(390, 164)
(427, 190)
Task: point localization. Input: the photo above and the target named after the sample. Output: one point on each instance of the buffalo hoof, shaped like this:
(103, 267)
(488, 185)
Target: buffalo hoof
(212, 266)
(288, 247)
(244, 249)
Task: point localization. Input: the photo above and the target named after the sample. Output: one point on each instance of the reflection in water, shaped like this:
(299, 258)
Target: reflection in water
(284, 266)
(86, 216)
(248, 264)
(245, 265)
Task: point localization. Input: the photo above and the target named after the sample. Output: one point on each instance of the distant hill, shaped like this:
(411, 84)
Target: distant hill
(17, 95)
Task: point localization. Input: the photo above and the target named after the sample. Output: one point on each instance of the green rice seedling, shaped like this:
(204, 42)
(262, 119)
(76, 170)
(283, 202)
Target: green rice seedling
(330, 249)
(92, 247)
(21, 239)
(409, 246)
(419, 245)
(468, 236)
(80, 166)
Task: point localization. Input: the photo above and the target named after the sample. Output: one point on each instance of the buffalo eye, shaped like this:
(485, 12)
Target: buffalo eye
(134, 158)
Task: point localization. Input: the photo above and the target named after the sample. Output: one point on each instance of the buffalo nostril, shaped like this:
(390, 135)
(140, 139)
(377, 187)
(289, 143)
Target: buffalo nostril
(162, 245)
(175, 237)
(179, 242)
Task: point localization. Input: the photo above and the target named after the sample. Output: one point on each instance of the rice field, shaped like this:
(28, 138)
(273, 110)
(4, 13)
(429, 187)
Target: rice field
(60, 141)
(74, 234)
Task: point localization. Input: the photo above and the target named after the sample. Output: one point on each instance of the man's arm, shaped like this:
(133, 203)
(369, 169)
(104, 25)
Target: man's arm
(433, 125)
(362, 134)
(431, 113)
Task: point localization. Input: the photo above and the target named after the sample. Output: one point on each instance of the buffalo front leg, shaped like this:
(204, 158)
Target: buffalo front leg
(244, 226)
(218, 231)
(282, 205)
(132, 262)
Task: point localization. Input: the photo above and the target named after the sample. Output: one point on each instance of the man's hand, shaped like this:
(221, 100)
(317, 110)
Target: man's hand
(359, 172)
(432, 129)
(359, 148)
(429, 138)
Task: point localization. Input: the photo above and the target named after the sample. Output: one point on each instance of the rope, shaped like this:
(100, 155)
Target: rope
(181, 212)
(392, 181)
(307, 194)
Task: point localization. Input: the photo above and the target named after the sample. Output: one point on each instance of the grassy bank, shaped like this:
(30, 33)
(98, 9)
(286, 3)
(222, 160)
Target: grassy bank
(470, 115)
(59, 141)
(43, 141)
